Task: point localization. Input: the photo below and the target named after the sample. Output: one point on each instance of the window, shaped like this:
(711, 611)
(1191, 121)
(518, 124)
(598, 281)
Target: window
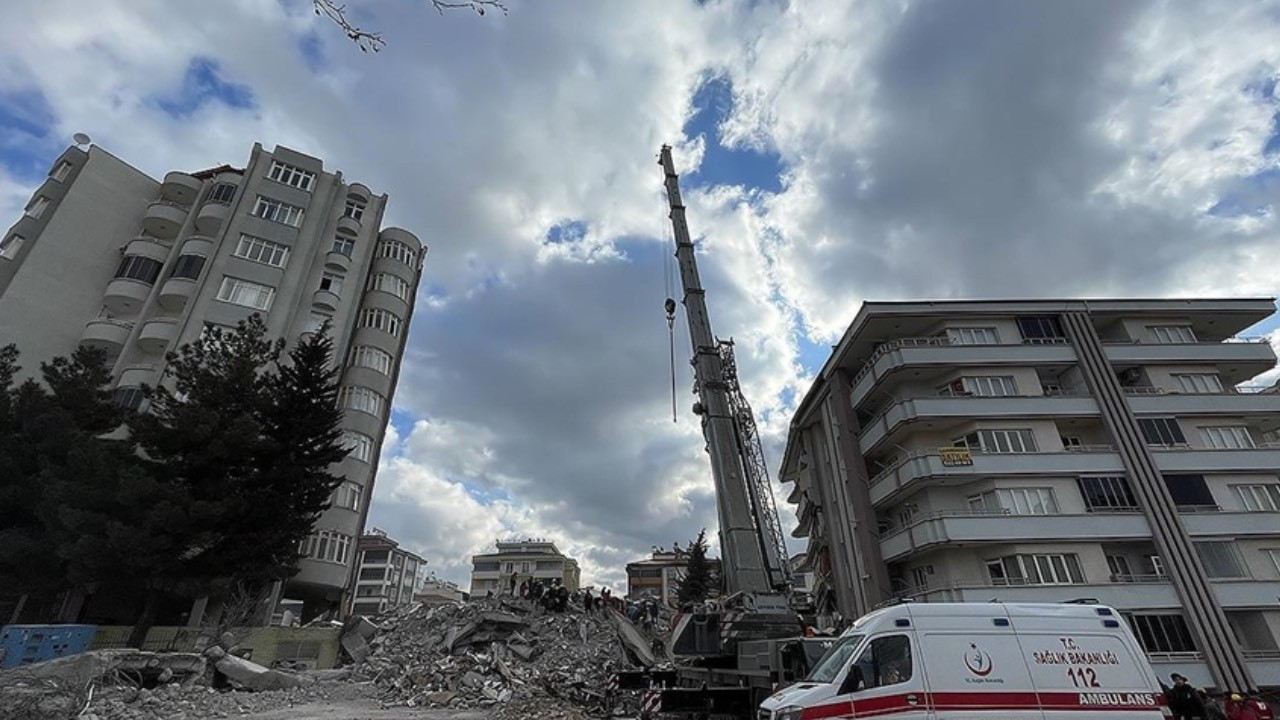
(1161, 633)
(1071, 442)
(243, 292)
(1107, 494)
(397, 250)
(886, 661)
(1119, 567)
(61, 171)
(1199, 383)
(326, 545)
(262, 251)
(1039, 328)
(373, 574)
(486, 567)
(9, 246)
(363, 399)
(375, 557)
(381, 320)
(390, 283)
(343, 245)
(360, 446)
(1234, 437)
(1161, 431)
(222, 193)
(136, 267)
(1275, 557)
(332, 282)
(1189, 491)
(1173, 334)
(1157, 565)
(1221, 559)
(346, 495)
(187, 267)
(973, 336)
(37, 206)
(129, 397)
(354, 210)
(1017, 501)
(1259, 498)
(920, 576)
(1036, 570)
(292, 176)
(372, 358)
(316, 321)
(998, 441)
(277, 211)
(982, 385)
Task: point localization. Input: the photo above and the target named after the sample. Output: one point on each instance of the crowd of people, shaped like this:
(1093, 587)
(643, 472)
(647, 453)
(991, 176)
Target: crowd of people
(1191, 703)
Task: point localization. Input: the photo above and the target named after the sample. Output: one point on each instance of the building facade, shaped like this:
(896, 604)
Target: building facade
(517, 561)
(105, 256)
(658, 576)
(437, 591)
(387, 575)
(1108, 450)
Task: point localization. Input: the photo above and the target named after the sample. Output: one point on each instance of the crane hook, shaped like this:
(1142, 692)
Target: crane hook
(671, 312)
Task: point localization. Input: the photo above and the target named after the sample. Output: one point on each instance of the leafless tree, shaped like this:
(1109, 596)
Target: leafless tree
(372, 41)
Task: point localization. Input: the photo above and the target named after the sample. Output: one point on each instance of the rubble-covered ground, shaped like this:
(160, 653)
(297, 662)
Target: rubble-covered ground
(491, 658)
(507, 655)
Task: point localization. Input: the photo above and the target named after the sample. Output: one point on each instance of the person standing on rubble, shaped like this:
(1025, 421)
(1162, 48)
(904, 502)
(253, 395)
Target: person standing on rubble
(524, 589)
(588, 602)
(562, 598)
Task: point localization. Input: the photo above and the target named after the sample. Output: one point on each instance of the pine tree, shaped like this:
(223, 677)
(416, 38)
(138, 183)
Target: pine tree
(698, 579)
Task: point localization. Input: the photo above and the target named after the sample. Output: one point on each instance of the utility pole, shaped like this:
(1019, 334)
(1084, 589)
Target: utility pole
(740, 542)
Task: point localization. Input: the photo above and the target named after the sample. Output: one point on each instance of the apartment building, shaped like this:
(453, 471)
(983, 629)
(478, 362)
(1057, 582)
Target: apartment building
(438, 591)
(387, 575)
(108, 257)
(1109, 450)
(517, 561)
(658, 576)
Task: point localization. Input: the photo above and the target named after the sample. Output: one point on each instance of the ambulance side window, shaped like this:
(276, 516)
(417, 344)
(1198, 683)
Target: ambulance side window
(886, 661)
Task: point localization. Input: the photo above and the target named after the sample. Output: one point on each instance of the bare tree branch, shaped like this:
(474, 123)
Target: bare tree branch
(372, 41)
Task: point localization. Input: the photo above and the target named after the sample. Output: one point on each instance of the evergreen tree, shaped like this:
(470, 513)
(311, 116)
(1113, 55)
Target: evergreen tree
(240, 451)
(698, 579)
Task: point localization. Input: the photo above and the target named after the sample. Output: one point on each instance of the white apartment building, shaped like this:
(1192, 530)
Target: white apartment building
(108, 257)
(520, 561)
(388, 576)
(1054, 450)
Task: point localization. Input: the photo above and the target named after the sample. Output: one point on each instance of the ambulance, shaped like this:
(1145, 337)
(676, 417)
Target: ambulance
(979, 661)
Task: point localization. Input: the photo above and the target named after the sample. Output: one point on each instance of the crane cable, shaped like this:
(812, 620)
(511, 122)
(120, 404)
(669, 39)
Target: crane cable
(670, 306)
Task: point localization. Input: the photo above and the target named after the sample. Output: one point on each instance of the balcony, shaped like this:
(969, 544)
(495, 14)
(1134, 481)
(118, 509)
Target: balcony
(149, 247)
(904, 353)
(175, 293)
(157, 335)
(337, 261)
(163, 219)
(1247, 593)
(968, 407)
(325, 300)
(1237, 359)
(1187, 459)
(197, 245)
(348, 225)
(1120, 595)
(124, 296)
(180, 187)
(211, 217)
(1233, 524)
(974, 526)
(107, 334)
(920, 467)
(359, 192)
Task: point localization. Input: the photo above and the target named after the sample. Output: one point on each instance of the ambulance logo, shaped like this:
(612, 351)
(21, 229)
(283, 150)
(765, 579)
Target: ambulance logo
(978, 662)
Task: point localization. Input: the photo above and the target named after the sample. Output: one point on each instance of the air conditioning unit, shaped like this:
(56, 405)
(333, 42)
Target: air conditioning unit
(1130, 376)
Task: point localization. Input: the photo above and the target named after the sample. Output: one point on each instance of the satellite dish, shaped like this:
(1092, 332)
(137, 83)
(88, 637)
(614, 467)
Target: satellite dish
(80, 139)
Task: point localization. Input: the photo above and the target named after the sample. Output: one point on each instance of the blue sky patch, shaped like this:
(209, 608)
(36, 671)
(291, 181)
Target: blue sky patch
(1252, 195)
(402, 421)
(712, 102)
(312, 51)
(567, 231)
(203, 83)
(812, 355)
(25, 145)
(1272, 145)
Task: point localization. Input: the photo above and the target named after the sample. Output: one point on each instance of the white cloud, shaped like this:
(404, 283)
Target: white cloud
(928, 149)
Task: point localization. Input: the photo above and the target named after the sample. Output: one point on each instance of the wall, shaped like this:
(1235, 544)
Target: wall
(267, 644)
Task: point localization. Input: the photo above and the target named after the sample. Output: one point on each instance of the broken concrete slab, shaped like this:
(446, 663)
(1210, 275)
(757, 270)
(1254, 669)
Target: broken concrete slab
(252, 676)
(636, 642)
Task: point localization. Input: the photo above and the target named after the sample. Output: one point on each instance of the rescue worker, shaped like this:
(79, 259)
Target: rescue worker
(1212, 708)
(1183, 702)
(588, 602)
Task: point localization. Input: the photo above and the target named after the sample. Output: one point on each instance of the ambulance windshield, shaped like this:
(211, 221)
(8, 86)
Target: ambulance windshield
(830, 665)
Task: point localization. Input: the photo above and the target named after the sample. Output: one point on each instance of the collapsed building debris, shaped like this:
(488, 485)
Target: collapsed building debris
(503, 654)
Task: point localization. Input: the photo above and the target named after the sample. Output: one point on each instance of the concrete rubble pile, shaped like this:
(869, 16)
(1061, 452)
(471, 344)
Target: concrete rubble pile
(504, 655)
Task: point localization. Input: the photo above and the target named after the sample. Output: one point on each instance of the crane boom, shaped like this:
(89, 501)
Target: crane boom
(754, 558)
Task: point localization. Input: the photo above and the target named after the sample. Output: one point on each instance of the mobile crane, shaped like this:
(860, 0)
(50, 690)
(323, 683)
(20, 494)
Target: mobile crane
(740, 650)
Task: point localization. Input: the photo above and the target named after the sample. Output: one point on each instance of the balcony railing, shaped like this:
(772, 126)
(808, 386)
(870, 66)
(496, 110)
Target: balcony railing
(934, 341)
(901, 460)
(1144, 579)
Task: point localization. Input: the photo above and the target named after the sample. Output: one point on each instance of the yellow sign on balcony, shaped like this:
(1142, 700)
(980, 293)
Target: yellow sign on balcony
(954, 456)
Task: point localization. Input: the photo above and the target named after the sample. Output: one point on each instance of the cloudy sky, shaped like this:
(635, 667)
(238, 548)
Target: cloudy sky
(831, 152)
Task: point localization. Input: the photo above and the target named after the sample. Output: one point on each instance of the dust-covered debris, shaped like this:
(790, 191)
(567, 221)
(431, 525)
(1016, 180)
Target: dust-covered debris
(506, 655)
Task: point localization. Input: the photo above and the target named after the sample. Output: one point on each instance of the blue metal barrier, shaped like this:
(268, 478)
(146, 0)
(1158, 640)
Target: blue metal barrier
(24, 644)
